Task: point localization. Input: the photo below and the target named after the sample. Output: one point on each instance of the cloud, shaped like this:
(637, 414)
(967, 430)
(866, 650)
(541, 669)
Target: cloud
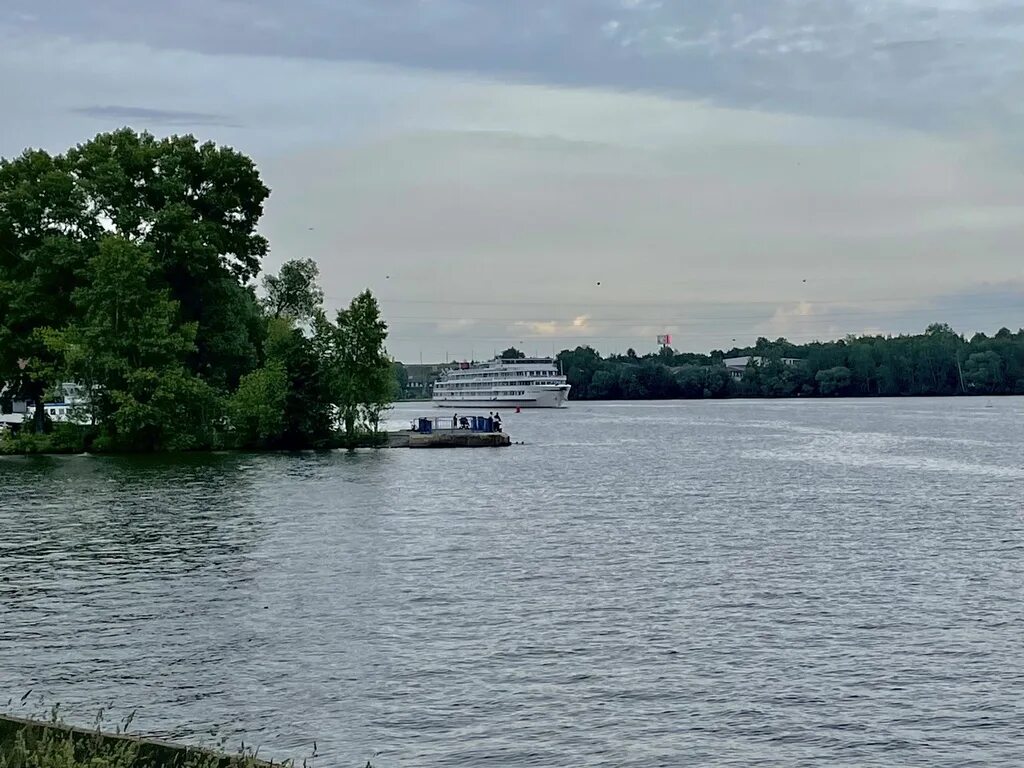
(934, 63)
(983, 306)
(489, 203)
(610, 28)
(160, 117)
(803, 320)
(455, 326)
(579, 325)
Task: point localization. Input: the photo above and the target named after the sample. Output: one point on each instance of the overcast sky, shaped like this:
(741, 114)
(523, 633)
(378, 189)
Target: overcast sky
(547, 173)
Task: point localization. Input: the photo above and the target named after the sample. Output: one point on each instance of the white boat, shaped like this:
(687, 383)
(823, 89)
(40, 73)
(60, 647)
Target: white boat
(529, 382)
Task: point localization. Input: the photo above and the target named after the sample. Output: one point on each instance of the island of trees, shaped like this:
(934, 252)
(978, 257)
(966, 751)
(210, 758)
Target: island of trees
(129, 265)
(936, 362)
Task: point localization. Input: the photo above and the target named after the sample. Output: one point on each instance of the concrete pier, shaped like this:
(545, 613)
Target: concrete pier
(448, 438)
(468, 431)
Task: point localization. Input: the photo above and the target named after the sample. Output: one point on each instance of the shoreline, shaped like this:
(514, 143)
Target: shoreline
(92, 746)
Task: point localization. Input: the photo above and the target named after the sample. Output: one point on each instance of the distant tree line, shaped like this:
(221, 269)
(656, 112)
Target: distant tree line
(128, 265)
(936, 362)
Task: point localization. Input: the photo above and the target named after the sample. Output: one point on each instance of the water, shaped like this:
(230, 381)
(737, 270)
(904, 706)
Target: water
(792, 583)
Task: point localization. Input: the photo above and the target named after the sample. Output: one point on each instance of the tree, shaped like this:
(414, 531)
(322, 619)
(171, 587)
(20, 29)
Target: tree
(983, 372)
(127, 265)
(258, 406)
(127, 346)
(307, 405)
(928, 363)
(604, 385)
(580, 366)
(401, 376)
(833, 381)
(361, 377)
(513, 354)
(656, 381)
(862, 366)
(197, 205)
(630, 386)
(293, 292)
(46, 240)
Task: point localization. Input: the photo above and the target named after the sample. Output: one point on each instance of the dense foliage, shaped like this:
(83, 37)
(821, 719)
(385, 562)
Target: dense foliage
(127, 264)
(936, 362)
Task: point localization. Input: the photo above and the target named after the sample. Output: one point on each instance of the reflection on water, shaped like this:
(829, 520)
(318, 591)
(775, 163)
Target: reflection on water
(732, 583)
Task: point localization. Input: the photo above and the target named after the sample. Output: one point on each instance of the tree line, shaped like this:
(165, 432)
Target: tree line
(128, 264)
(936, 362)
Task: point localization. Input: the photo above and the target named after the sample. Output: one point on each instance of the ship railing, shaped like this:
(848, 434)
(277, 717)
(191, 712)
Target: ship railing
(429, 424)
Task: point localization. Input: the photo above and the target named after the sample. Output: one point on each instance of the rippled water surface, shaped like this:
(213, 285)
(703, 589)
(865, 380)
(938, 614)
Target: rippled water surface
(728, 583)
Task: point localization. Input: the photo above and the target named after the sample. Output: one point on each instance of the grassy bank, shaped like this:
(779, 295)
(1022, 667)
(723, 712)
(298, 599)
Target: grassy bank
(67, 439)
(53, 744)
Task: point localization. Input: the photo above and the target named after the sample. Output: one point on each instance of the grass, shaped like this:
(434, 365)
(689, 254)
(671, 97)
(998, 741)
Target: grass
(51, 743)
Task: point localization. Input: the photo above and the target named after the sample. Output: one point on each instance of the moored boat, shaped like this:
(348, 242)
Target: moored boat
(529, 382)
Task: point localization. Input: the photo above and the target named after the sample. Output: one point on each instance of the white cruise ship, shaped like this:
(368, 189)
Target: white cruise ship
(520, 383)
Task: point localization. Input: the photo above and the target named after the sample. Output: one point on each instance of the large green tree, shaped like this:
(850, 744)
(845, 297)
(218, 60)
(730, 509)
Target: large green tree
(361, 378)
(127, 346)
(293, 300)
(195, 206)
(47, 237)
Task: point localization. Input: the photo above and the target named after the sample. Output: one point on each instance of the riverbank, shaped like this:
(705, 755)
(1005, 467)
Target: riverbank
(28, 743)
(38, 445)
(54, 444)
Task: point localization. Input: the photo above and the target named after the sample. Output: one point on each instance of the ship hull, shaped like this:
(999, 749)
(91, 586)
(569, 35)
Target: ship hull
(555, 398)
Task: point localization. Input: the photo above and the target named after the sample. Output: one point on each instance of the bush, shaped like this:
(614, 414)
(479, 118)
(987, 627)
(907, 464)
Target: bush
(26, 442)
(65, 438)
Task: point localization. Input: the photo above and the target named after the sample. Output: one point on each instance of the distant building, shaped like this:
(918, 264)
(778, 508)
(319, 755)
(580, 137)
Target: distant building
(74, 394)
(73, 408)
(737, 366)
(10, 423)
(421, 378)
(13, 413)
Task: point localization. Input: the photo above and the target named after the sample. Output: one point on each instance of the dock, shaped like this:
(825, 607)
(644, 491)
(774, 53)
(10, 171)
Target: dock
(438, 432)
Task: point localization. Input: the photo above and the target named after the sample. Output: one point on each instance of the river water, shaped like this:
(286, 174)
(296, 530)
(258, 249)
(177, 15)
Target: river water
(738, 583)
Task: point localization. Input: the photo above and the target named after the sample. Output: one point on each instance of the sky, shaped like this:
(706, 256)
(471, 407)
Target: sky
(550, 173)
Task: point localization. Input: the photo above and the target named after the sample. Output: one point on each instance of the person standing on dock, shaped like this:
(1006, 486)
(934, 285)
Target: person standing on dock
(455, 421)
